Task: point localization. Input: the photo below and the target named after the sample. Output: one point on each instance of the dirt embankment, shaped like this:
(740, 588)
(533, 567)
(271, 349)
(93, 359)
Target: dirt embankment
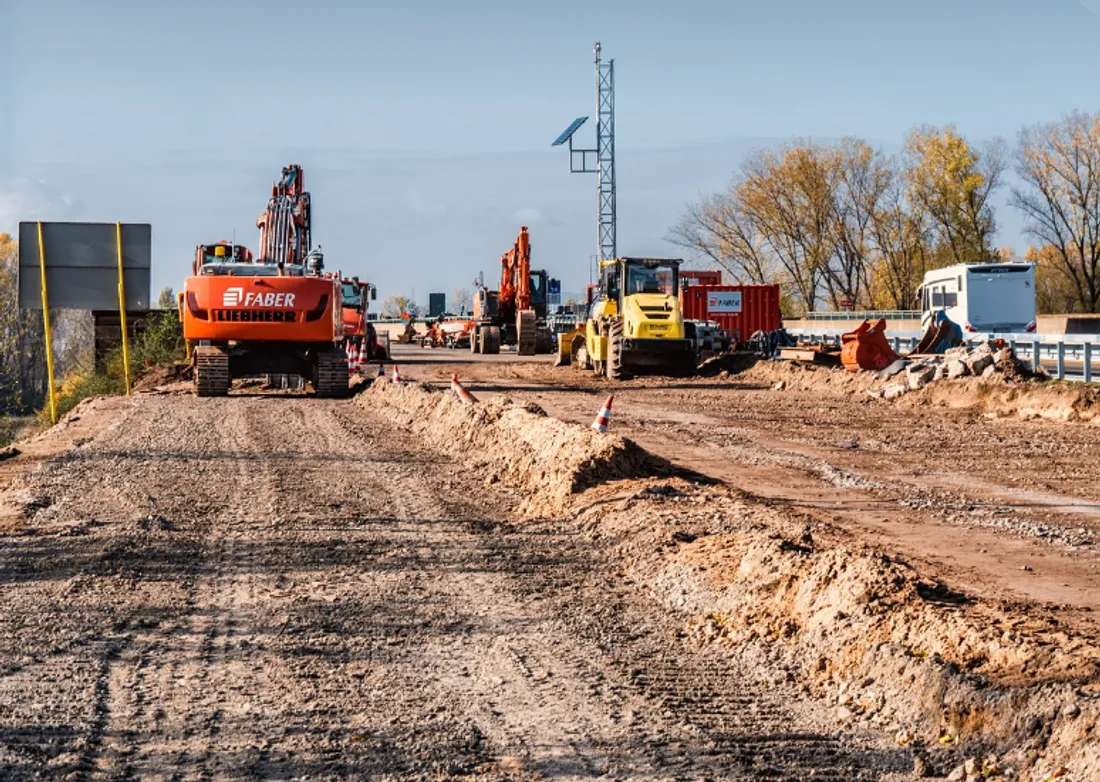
(954, 676)
(516, 443)
(995, 396)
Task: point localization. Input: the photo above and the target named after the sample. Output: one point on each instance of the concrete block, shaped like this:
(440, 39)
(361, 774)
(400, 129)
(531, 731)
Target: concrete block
(921, 378)
(957, 368)
(977, 364)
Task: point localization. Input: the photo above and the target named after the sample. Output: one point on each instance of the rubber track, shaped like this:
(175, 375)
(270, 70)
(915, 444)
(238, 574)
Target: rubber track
(211, 371)
(332, 374)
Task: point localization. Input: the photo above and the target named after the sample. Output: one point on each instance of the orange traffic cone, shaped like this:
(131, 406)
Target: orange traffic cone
(604, 418)
(459, 389)
(396, 374)
(364, 355)
(353, 360)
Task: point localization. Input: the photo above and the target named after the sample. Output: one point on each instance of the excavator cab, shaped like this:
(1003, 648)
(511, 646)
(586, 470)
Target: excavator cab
(220, 258)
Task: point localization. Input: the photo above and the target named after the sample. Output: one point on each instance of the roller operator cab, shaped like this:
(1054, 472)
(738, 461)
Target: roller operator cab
(635, 323)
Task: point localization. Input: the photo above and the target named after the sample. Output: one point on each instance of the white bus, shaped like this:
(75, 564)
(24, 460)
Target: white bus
(981, 297)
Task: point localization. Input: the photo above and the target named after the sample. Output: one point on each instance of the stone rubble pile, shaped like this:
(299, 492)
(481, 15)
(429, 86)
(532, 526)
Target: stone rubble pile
(987, 359)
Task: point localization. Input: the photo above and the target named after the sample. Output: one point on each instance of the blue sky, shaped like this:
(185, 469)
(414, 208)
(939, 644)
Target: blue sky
(424, 126)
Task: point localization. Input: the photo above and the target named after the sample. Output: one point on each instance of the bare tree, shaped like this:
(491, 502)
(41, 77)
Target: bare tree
(462, 300)
(717, 228)
(1060, 165)
(861, 178)
(901, 236)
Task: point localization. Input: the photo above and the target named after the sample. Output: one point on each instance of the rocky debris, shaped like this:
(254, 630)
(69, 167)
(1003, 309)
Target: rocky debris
(9, 453)
(920, 375)
(893, 369)
(985, 360)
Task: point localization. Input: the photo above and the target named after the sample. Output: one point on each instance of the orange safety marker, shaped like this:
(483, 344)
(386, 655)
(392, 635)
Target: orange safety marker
(604, 418)
(396, 374)
(364, 354)
(459, 389)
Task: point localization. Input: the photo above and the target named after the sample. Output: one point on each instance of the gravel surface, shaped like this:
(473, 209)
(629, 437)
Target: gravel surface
(277, 588)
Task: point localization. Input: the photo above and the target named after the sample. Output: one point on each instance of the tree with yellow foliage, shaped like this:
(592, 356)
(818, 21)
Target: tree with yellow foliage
(22, 345)
(952, 183)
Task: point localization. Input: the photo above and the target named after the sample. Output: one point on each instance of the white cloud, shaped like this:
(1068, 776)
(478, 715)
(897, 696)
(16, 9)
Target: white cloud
(23, 199)
(417, 203)
(527, 215)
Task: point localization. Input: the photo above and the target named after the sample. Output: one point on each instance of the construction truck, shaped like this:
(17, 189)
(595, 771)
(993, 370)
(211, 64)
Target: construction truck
(355, 297)
(516, 313)
(634, 323)
(278, 314)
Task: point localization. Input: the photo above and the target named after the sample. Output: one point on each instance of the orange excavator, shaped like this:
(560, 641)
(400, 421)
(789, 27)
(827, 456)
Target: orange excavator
(515, 314)
(278, 314)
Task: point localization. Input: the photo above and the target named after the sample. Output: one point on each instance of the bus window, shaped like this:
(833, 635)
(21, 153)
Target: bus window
(937, 297)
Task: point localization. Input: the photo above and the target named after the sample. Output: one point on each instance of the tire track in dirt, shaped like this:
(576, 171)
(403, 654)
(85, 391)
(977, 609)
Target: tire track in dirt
(290, 587)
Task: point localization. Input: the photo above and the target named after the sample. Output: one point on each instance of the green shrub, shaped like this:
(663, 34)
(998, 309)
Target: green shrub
(160, 345)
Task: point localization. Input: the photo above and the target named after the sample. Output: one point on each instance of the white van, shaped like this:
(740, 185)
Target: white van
(981, 297)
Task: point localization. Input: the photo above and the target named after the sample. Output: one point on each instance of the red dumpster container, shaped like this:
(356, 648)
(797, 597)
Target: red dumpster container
(739, 309)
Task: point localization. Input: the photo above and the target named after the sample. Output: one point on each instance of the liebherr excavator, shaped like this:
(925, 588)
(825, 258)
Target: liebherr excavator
(278, 314)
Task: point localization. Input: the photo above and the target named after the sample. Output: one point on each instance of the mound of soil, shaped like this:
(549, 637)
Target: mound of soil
(1055, 401)
(960, 677)
(515, 443)
(1002, 395)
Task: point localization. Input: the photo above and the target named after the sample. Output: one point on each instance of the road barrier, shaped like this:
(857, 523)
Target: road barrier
(1064, 356)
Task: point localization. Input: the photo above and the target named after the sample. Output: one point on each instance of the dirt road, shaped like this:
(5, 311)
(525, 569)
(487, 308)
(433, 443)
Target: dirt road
(276, 588)
(1003, 508)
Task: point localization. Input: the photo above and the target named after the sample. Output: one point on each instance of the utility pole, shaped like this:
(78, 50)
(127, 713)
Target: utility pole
(602, 162)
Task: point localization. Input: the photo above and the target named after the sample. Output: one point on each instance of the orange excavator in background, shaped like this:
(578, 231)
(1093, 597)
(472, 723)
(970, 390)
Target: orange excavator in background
(515, 314)
(278, 314)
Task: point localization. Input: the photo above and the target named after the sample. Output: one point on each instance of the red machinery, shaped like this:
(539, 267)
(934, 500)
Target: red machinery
(356, 296)
(278, 315)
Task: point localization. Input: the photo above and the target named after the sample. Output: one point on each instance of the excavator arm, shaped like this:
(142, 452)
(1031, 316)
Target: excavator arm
(515, 275)
(285, 225)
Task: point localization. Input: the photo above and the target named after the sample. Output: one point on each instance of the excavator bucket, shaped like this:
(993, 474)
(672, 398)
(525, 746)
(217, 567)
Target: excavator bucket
(867, 348)
(942, 334)
(565, 346)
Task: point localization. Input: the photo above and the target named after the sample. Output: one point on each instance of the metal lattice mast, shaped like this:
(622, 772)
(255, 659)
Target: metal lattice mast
(605, 154)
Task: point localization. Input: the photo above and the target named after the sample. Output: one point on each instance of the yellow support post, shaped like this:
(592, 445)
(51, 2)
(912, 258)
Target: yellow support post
(46, 326)
(122, 308)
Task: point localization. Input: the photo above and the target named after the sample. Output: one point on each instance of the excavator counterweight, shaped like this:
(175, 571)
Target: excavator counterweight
(277, 314)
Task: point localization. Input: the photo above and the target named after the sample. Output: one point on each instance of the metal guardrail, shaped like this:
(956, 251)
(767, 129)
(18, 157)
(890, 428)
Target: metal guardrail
(1065, 356)
(863, 315)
